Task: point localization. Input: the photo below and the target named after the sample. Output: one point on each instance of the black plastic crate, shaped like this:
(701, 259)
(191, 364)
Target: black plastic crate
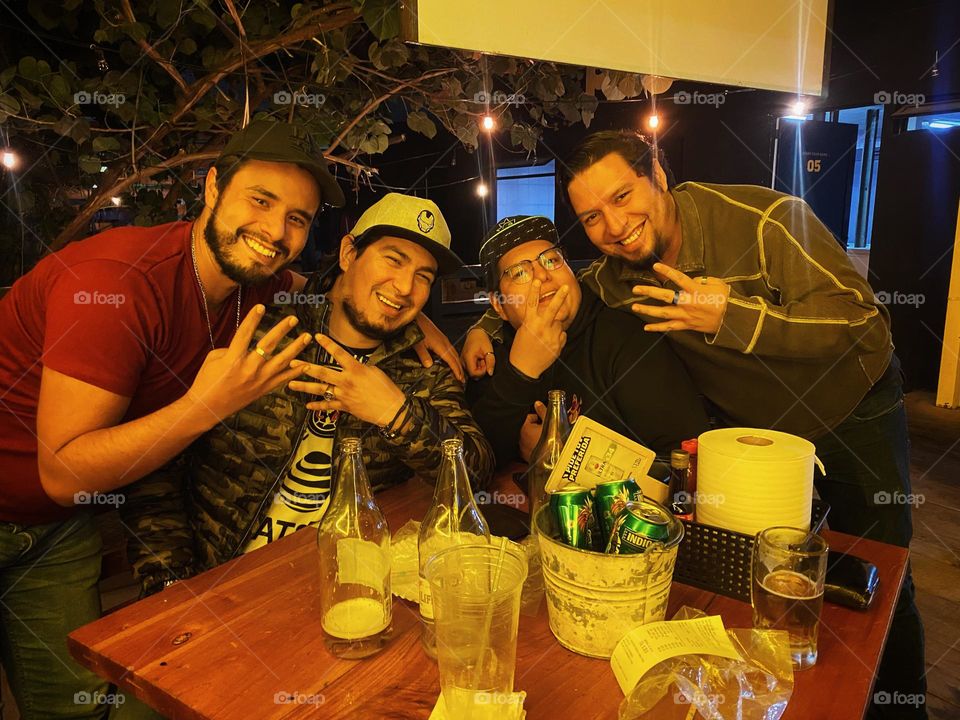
(718, 560)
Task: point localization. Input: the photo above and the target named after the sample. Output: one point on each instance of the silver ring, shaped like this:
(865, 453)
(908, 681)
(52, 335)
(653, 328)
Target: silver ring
(328, 393)
(676, 298)
(488, 353)
(704, 280)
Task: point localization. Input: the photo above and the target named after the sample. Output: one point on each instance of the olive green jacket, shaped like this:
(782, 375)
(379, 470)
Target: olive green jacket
(803, 337)
(198, 511)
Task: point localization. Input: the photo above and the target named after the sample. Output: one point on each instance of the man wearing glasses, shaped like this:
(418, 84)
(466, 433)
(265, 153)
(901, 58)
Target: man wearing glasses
(562, 336)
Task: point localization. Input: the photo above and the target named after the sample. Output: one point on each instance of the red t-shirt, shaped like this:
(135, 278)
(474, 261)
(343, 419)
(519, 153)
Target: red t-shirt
(120, 310)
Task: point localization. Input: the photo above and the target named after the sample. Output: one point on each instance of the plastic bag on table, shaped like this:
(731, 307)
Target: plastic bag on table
(405, 562)
(405, 568)
(755, 688)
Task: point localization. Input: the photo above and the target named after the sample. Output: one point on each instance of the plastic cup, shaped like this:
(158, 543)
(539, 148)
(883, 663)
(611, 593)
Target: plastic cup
(476, 603)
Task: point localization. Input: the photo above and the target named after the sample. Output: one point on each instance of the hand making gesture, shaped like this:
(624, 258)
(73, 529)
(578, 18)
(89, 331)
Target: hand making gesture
(362, 390)
(233, 377)
(698, 305)
(541, 337)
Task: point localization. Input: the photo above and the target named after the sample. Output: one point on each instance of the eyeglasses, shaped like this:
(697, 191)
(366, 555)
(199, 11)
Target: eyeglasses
(522, 272)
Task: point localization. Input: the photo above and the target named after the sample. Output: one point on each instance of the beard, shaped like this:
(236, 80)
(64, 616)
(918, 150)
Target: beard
(364, 326)
(659, 249)
(223, 245)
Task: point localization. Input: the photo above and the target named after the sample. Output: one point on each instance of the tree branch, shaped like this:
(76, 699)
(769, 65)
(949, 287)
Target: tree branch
(151, 53)
(372, 105)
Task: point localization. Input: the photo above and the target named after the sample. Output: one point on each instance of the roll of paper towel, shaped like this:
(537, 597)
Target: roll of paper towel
(750, 479)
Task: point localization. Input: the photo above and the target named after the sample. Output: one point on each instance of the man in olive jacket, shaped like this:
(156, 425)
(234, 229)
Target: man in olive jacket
(267, 471)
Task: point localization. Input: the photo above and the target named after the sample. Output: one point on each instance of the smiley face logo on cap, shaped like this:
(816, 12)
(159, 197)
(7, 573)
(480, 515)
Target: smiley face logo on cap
(426, 221)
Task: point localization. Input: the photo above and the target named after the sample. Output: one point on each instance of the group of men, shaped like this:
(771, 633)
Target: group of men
(161, 363)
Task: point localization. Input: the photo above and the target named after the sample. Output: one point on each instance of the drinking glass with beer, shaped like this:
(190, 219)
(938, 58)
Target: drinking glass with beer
(789, 567)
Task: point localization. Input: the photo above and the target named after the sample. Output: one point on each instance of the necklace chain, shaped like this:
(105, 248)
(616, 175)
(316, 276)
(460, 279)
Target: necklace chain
(203, 294)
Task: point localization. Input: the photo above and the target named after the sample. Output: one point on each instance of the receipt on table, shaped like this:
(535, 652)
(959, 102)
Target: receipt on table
(645, 646)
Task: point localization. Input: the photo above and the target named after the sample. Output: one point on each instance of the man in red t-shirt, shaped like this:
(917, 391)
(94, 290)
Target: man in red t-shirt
(116, 353)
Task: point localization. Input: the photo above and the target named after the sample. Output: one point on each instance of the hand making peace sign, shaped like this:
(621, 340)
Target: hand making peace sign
(698, 305)
(541, 337)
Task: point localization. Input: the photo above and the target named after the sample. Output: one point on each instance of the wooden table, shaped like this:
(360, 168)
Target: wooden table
(230, 642)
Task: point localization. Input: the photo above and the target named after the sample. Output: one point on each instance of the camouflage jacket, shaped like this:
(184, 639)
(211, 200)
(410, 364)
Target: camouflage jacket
(198, 511)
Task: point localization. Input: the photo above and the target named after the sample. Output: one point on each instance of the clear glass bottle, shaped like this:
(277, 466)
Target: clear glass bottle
(453, 519)
(556, 430)
(354, 548)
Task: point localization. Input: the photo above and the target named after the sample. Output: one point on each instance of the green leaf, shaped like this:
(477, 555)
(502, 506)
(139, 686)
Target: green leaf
(80, 132)
(89, 164)
(392, 54)
(187, 46)
(9, 105)
(420, 122)
(204, 17)
(524, 136)
(27, 67)
(7, 75)
(588, 104)
(136, 31)
(468, 134)
(60, 90)
(569, 110)
(64, 126)
(373, 52)
(106, 144)
(382, 17)
(168, 12)
(630, 85)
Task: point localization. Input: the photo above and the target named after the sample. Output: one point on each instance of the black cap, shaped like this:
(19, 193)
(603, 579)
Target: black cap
(506, 235)
(274, 141)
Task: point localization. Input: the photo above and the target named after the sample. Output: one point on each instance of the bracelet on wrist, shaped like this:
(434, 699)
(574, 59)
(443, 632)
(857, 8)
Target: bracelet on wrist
(391, 429)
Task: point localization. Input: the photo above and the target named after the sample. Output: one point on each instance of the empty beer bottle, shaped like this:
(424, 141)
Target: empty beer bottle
(354, 548)
(556, 430)
(453, 519)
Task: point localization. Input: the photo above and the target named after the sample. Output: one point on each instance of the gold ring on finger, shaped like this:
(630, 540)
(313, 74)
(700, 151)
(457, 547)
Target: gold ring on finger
(260, 351)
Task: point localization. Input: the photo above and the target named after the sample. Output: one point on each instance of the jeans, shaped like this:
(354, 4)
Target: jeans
(867, 459)
(48, 588)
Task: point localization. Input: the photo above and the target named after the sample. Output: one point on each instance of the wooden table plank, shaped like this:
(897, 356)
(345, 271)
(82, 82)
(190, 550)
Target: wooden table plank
(254, 631)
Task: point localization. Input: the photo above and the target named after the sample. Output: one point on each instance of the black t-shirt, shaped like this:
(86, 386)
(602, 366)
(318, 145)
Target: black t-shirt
(612, 371)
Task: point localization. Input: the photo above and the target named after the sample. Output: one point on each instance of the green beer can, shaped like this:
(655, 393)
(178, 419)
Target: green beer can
(572, 508)
(610, 498)
(641, 526)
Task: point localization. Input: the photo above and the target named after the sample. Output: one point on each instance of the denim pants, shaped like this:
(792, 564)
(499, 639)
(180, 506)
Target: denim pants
(867, 483)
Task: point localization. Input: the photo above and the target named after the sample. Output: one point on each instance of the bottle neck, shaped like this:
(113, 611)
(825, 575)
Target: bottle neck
(556, 423)
(352, 487)
(453, 483)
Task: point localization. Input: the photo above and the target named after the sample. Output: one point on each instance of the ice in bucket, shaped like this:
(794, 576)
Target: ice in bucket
(476, 604)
